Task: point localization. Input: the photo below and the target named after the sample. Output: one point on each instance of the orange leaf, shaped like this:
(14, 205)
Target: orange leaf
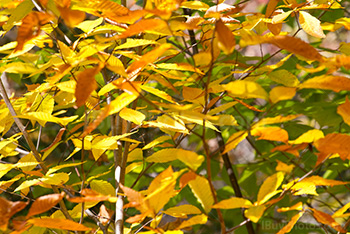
(270, 133)
(225, 37)
(86, 84)
(335, 83)
(135, 198)
(89, 195)
(71, 17)
(44, 203)
(292, 149)
(8, 209)
(344, 111)
(142, 26)
(295, 46)
(63, 224)
(334, 143)
(327, 219)
(94, 124)
(146, 59)
(291, 223)
(271, 6)
(30, 27)
(56, 140)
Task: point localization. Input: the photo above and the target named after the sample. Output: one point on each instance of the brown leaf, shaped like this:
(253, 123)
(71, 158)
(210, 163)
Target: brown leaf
(327, 219)
(86, 84)
(63, 224)
(225, 37)
(295, 46)
(56, 140)
(271, 6)
(30, 27)
(44, 203)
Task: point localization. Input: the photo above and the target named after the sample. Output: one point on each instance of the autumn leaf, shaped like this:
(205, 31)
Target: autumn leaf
(269, 188)
(280, 93)
(234, 140)
(334, 143)
(308, 137)
(311, 24)
(8, 209)
(295, 46)
(105, 214)
(254, 213)
(344, 111)
(225, 37)
(327, 219)
(233, 203)
(270, 133)
(201, 190)
(182, 211)
(30, 27)
(291, 223)
(86, 84)
(63, 224)
(44, 203)
(335, 83)
(245, 89)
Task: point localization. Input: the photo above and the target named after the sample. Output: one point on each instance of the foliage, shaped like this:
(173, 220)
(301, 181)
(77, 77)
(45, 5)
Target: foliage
(175, 116)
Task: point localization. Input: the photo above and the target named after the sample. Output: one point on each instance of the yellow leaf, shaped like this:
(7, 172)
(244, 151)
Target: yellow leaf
(234, 140)
(201, 190)
(284, 77)
(277, 119)
(269, 187)
(233, 203)
(43, 117)
(158, 93)
(335, 83)
(89, 25)
(308, 137)
(311, 24)
(179, 67)
(254, 213)
(245, 89)
(341, 211)
(135, 155)
(270, 133)
(104, 142)
(334, 143)
(103, 187)
(295, 46)
(156, 142)
(120, 102)
(291, 223)
(27, 184)
(195, 5)
(56, 168)
(198, 219)
(225, 37)
(131, 42)
(190, 158)
(161, 189)
(281, 166)
(298, 206)
(169, 123)
(281, 93)
(142, 26)
(63, 224)
(327, 219)
(280, 17)
(182, 210)
(344, 111)
(132, 115)
(4, 168)
(55, 179)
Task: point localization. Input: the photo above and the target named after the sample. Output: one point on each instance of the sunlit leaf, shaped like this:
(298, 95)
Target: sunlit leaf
(201, 190)
(245, 89)
(156, 142)
(195, 5)
(198, 219)
(55, 179)
(291, 223)
(311, 24)
(234, 140)
(190, 158)
(281, 166)
(297, 206)
(254, 213)
(142, 26)
(132, 115)
(158, 93)
(270, 133)
(308, 137)
(43, 117)
(335, 83)
(269, 187)
(120, 102)
(233, 203)
(334, 143)
(182, 210)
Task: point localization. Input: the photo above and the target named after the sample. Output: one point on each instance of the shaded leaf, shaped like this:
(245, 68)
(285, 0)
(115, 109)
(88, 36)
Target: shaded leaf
(280, 93)
(327, 219)
(344, 111)
(102, 187)
(225, 37)
(44, 203)
(254, 213)
(198, 219)
(8, 209)
(63, 224)
(182, 210)
(284, 77)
